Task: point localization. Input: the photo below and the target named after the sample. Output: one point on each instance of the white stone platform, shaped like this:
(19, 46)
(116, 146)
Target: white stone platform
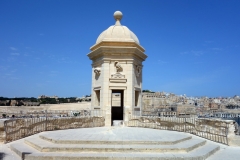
(115, 143)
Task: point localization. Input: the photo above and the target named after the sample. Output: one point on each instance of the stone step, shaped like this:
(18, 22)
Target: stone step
(36, 148)
(46, 146)
(162, 142)
(22, 149)
(200, 153)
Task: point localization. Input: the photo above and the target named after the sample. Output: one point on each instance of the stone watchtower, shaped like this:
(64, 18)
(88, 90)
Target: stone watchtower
(117, 60)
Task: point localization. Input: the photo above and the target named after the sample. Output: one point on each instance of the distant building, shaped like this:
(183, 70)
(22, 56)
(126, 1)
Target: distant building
(4, 102)
(44, 96)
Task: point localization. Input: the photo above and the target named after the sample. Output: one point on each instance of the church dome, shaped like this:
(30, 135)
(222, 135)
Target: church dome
(117, 32)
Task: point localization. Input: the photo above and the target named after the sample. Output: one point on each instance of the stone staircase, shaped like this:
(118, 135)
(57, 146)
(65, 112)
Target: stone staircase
(47, 147)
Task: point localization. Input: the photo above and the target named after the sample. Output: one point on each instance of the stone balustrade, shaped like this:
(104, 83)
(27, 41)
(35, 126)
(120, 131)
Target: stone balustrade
(2, 132)
(222, 131)
(15, 129)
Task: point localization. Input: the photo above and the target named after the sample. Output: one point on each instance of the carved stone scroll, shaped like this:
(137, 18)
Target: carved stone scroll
(117, 75)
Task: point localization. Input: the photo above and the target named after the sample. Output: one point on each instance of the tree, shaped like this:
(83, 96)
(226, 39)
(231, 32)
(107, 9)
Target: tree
(4, 115)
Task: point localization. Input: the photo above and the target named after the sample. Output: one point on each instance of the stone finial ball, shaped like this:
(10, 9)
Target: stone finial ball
(118, 15)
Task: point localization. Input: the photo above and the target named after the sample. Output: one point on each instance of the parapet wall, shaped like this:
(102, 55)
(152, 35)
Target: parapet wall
(222, 131)
(19, 128)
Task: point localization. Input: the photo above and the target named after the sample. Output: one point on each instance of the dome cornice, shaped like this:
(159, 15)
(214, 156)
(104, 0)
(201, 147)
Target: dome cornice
(117, 44)
(116, 51)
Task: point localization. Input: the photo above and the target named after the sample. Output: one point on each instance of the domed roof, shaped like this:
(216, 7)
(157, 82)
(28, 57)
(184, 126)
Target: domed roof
(117, 32)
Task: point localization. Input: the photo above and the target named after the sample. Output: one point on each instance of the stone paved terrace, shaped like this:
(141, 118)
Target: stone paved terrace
(117, 143)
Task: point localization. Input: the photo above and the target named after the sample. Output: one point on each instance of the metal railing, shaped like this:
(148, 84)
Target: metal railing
(214, 130)
(18, 128)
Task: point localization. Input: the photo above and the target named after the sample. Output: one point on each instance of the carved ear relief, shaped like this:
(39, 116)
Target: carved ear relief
(138, 70)
(97, 71)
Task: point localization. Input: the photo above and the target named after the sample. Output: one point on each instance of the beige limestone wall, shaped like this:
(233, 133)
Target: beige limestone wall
(119, 71)
(9, 110)
(70, 106)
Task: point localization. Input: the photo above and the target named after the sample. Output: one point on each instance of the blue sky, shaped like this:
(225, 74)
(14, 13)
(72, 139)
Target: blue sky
(193, 46)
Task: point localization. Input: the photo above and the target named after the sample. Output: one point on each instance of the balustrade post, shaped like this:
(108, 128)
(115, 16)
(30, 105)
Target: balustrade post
(46, 120)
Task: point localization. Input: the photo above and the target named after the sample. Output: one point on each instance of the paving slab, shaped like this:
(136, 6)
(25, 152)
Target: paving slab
(226, 153)
(115, 135)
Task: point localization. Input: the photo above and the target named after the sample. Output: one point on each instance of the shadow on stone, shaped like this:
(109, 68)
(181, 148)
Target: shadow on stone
(1, 155)
(24, 153)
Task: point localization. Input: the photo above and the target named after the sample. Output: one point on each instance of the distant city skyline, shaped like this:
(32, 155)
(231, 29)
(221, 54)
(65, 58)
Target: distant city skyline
(193, 47)
(183, 95)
